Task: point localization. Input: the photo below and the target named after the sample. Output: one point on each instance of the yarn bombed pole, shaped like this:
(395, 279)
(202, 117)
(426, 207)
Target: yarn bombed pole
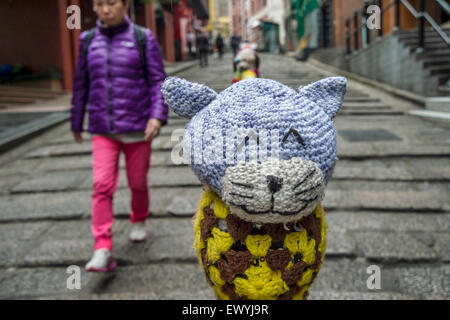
(265, 154)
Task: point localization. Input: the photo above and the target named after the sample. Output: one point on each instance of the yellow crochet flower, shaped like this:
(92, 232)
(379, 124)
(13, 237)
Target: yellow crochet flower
(199, 244)
(258, 244)
(219, 243)
(299, 296)
(297, 242)
(214, 275)
(220, 294)
(306, 278)
(261, 284)
(323, 232)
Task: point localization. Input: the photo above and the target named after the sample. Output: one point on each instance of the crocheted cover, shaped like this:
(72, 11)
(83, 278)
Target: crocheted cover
(260, 231)
(243, 260)
(302, 120)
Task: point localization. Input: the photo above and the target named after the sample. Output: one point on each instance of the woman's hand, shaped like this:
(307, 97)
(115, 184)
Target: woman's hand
(77, 137)
(152, 130)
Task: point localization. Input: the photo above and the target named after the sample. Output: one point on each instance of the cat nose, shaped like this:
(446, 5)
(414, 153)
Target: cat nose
(274, 183)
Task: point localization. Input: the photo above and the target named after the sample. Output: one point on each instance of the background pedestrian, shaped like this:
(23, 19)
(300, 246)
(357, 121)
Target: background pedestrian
(118, 83)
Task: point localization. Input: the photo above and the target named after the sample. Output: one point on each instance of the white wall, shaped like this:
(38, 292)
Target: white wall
(276, 12)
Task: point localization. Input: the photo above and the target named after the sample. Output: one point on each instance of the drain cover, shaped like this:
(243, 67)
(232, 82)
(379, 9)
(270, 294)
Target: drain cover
(368, 135)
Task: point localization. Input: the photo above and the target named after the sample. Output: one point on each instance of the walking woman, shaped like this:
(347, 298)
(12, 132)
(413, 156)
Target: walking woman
(117, 81)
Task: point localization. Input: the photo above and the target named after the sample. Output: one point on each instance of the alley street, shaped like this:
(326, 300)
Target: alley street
(387, 205)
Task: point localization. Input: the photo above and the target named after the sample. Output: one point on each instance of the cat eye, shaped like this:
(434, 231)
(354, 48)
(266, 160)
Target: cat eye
(297, 136)
(247, 138)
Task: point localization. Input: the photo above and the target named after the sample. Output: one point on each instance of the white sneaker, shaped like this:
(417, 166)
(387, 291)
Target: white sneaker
(101, 261)
(138, 232)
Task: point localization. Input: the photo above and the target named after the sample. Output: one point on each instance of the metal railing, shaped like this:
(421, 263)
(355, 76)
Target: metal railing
(421, 16)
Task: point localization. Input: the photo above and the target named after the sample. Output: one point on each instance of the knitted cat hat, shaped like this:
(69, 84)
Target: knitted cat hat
(265, 149)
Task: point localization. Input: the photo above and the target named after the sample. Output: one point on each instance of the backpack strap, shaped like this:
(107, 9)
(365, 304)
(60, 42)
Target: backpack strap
(87, 42)
(139, 34)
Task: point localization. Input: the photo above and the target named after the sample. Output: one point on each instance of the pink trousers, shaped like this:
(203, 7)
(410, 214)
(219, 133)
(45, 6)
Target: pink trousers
(105, 158)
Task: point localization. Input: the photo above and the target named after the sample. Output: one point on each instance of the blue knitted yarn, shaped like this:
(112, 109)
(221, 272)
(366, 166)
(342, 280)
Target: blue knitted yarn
(303, 120)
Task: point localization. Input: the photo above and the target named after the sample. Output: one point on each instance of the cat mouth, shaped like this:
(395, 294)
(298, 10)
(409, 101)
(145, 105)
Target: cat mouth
(276, 190)
(272, 211)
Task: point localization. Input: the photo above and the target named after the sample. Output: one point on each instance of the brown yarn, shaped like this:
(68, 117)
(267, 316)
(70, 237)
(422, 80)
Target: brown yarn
(229, 290)
(238, 228)
(278, 259)
(316, 263)
(208, 278)
(208, 223)
(232, 263)
(294, 274)
(204, 255)
(276, 231)
(313, 227)
(290, 294)
(305, 295)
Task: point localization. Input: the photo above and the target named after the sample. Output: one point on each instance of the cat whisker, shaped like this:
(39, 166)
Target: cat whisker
(309, 200)
(309, 189)
(241, 195)
(244, 185)
(304, 179)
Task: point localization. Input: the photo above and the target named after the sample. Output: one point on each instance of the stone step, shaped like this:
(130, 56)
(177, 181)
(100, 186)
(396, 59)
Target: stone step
(76, 204)
(357, 104)
(432, 55)
(439, 70)
(356, 147)
(411, 40)
(9, 88)
(362, 112)
(443, 79)
(66, 243)
(338, 279)
(428, 46)
(70, 242)
(33, 95)
(442, 118)
(390, 169)
(428, 31)
(440, 104)
(16, 100)
(444, 90)
(370, 110)
(182, 176)
(357, 99)
(393, 169)
(432, 52)
(182, 201)
(435, 61)
(429, 36)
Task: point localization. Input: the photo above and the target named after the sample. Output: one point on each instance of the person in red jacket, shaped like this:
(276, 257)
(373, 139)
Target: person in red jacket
(126, 110)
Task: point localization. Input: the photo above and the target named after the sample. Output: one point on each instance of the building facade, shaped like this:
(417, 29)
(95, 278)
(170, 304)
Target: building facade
(262, 22)
(219, 19)
(36, 35)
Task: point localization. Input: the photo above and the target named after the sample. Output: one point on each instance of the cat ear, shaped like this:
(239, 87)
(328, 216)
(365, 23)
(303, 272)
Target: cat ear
(186, 98)
(327, 93)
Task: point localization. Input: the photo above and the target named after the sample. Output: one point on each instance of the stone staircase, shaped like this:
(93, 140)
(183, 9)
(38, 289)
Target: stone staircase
(435, 57)
(12, 96)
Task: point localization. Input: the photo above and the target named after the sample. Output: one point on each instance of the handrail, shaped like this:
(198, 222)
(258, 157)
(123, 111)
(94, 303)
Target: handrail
(411, 9)
(444, 5)
(420, 15)
(434, 25)
(437, 28)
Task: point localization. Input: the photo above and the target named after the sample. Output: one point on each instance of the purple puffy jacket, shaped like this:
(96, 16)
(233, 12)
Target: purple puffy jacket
(118, 98)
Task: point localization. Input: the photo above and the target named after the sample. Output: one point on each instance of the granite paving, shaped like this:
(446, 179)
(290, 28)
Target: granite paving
(387, 205)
